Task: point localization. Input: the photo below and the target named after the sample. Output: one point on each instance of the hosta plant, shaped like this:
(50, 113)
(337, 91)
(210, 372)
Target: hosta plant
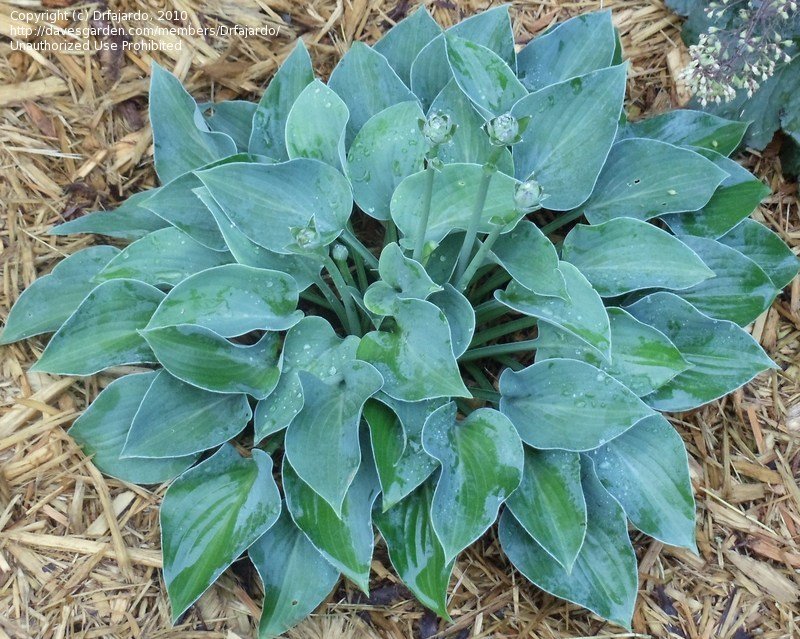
(450, 285)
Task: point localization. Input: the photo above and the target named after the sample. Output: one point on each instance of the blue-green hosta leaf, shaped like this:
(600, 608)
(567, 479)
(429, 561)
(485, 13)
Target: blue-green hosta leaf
(403, 42)
(129, 221)
(469, 142)
(232, 300)
(388, 148)
(177, 203)
(739, 291)
(380, 300)
(177, 419)
(367, 83)
(580, 313)
(302, 268)
(103, 330)
(723, 356)
(568, 404)
(736, 198)
(642, 358)
(182, 141)
(647, 178)
(575, 47)
(491, 29)
(103, 427)
(455, 189)
(316, 124)
(647, 472)
(483, 76)
(625, 254)
(407, 276)
(209, 516)
(460, 317)
(617, 59)
(401, 278)
(572, 128)
(482, 459)
(396, 434)
(312, 346)
(266, 200)
(269, 120)
(684, 127)
(442, 259)
(375, 319)
(322, 440)
(549, 503)
(200, 357)
(765, 248)
(415, 356)
(414, 549)
(346, 541)
(296, 577)
(163, 258)
(234, 118)
(604, 576)
(531, 259)
(47, 303)
(430, 71)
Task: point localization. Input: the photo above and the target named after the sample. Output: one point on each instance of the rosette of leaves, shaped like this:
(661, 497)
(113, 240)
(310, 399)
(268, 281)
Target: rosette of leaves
(775, 105)
(345, 316)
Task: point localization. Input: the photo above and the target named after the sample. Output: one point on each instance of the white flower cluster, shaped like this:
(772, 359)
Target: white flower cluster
(743, 54)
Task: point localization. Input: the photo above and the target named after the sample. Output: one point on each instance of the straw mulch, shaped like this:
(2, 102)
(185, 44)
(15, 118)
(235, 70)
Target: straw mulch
(79, 553)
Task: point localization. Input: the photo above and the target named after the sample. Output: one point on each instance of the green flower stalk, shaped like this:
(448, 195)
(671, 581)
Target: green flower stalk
(438, 130)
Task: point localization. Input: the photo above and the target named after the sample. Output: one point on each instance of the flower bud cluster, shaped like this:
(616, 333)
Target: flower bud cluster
(438, 128)
(528, 196)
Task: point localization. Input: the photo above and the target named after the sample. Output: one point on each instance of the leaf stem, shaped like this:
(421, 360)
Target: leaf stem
(510, 362)
(361, 272)
(464, 406)
(489, 310)
(474, 222)
(479, 259)
(308, 296)
(477, 374)
(349, 238)
(485, 352)
(352, 323)
(491, 284)
(482, 393)
(333, 301)
(391, 233)
(500, 330)
(422, 227)
(560, 221)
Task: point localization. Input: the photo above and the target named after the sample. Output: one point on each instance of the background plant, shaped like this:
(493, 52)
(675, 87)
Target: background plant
(212, 292)
(745, 66)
